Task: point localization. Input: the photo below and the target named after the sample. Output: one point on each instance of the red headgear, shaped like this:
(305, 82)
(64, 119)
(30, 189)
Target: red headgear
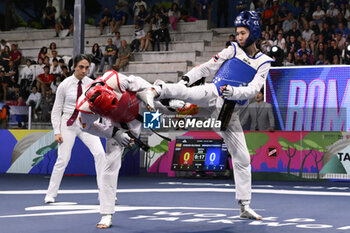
(101, 98)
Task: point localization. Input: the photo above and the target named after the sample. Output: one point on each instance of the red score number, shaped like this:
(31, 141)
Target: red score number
(186, 156)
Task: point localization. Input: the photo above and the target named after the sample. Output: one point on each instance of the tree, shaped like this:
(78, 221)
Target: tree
(255, 141)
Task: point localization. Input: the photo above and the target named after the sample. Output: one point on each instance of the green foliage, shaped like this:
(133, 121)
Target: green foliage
(37, 160)
(45, 149)
(165, 4)
(163, 147)
(36, 25)
(284, 143)
(255, 141)
(22, 24)
(321, 139)
(90, 21)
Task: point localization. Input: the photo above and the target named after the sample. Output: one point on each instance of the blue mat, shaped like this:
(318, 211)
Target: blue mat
(159, 204)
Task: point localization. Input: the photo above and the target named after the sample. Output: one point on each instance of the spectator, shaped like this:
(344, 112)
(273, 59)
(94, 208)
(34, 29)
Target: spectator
(136, 8)
(106, 19)
(143, 16)
(290, 60)
(297, 10)
(303, 50)
(295, 31)
(47, 61)
(153, 19)
(287, 5)
(3, 43)
(304, 60)
(34, 101)
(327, 32)
(306, 15)
(46, 104)
(231, 39)
(27, 77)
(206, 9)
(332, 50)
(15, 55)
(96, 56)
(12, 74)
(320, 59)
(335, 60)
(4, 81)
(138, 42)
(42, 53)
(347, 13)
(14, 94)
(123, 56)
(149, 42)
(342, 29)
(320, 49)
(39, 68)
(266, 44)
(260, 115)
(124, 6)
(61, 63)
(292, 45)
(288, 23)
(44, 80)
(118, 19)
(56, 81)
(331, 14)
(65, 73)
(65, 21)
(306, 34)
(117, 41)
(318, 16)
(272, 25)
(52, 47)
(340, 41)
(54, 56)
(280, 42)
(55, 69)
(283, 15)
(49, 15)
(162, 35)
(5, 57)
(109, 55)
(174, 15)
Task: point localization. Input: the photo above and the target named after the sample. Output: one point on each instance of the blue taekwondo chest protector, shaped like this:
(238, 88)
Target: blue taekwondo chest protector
(236, 73)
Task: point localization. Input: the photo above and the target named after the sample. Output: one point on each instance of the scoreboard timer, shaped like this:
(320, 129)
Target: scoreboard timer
(199, 155)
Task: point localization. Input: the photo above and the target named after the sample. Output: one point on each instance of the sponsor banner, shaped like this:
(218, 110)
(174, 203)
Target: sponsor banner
(293, 153)
(35, 152)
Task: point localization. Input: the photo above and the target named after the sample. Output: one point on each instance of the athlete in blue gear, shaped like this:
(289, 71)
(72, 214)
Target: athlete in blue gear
(239, 73)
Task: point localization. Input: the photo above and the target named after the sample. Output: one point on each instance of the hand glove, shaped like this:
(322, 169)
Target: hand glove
(174, 103)
(121, 137)
(227, 92)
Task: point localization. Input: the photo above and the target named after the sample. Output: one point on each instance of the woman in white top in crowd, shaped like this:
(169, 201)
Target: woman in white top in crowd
(55, 68)
(54, 85)
(39, 68)
(27, 77)
(280, 42)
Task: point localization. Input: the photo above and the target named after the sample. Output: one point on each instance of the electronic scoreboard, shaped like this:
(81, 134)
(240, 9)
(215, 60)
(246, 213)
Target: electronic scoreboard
(199, 155)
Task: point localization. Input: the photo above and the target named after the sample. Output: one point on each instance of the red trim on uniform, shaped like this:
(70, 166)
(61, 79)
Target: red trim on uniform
(78, 105)
(109, 76)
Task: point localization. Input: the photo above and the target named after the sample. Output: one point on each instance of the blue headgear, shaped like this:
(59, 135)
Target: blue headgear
(250, 20)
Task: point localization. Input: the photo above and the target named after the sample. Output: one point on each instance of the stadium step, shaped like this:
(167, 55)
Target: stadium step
(161, 56)
(150, 67)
